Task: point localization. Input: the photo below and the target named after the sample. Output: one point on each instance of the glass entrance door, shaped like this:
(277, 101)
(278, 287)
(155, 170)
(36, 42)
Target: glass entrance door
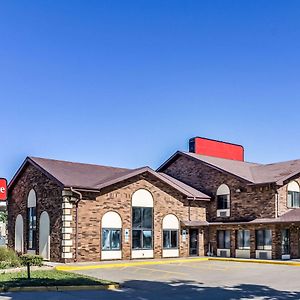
(194, 241)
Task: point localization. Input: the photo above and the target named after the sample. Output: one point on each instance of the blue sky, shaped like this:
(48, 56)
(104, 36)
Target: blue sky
(127, 83)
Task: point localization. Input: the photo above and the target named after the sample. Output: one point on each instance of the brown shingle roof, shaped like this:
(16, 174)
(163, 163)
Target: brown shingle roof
(96, 177)
(78, 175)
(252, 172)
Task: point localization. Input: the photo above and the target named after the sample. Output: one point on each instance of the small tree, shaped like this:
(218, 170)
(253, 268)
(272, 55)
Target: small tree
(3, 216)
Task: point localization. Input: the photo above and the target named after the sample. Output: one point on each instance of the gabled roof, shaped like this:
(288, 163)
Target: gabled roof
(253, 173)
(96, 177)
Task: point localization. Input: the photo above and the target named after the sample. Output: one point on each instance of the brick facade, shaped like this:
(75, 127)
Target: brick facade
(49, 199)
(247, 203)
(118, 199)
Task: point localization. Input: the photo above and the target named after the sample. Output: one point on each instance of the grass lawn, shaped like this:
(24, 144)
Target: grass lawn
(46, 278)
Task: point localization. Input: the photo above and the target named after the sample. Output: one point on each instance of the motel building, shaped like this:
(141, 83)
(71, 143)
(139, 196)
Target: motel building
(207, 201)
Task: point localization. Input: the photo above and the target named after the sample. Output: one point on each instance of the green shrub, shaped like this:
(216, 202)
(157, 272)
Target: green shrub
(8, 258)
(33, 260)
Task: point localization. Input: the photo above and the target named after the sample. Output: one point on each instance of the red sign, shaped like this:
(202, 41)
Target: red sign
(3, 189)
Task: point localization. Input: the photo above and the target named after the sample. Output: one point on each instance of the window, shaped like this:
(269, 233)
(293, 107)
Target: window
(243, 239)
(111, 231)
(31, 220)
(293, 197)
(223, 197)
(111, 239)
(264, 239)
(142, 227)
(285, 241)
(223, 239)
(170, 239)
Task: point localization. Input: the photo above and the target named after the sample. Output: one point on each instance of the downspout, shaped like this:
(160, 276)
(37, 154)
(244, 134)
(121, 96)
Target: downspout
(76, 221)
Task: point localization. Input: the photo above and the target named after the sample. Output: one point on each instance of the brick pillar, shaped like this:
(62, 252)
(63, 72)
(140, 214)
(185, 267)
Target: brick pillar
(276, 242)
(67, 242)
(232, 242)
(252, 243)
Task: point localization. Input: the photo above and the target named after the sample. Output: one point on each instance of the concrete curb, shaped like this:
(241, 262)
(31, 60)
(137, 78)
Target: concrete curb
(256, 261)
(111, 286)
(128, 264)
(163, 262)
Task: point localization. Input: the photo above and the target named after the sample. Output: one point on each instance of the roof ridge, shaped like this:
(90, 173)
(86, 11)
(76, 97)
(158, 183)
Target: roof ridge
(76, 163)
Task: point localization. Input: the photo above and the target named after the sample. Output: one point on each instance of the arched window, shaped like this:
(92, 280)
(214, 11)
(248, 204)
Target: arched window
(31, 220)
(19, 234)
(293, 197)
(223, 197)
(111, 231)
(44, 237)
(170, 232)
(142, 220)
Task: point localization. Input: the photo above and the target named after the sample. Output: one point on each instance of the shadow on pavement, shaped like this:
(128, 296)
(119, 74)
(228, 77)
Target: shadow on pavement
(148, 290)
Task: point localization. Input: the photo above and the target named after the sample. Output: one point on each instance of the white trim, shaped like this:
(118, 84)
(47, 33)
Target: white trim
(31, 200)
(170, 221)
(111, 219)
(170, 253)
(142, 198)
(142, 254)
(66, 255)
(107, 255)
(44, 236)
(67, 243)
(293, 186)
(19, 234)
(223, 189)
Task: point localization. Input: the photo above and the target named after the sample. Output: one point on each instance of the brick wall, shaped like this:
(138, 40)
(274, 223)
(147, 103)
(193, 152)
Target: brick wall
(118, 199)
(250, 203)
(48, 199)
(282, 198)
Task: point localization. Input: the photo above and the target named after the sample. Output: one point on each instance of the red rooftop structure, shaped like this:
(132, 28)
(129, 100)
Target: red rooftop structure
(209, 147)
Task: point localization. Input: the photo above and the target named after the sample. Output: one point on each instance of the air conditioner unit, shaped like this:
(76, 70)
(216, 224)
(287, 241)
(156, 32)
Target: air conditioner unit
(223, 213)
(260, 254)
(223, 252)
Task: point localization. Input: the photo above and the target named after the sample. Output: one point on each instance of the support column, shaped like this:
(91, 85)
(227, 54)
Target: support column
(67, 230)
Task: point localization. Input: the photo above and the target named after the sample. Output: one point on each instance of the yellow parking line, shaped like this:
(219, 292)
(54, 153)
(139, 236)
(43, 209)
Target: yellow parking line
(128, 264)
(163, 271)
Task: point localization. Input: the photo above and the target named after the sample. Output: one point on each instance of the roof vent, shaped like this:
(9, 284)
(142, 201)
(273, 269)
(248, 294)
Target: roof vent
(209, 147)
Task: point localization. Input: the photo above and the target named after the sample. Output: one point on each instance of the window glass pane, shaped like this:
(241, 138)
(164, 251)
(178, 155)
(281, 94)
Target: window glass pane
(136, 217)
(166, 239)
(222, 201)
(115, 239)
(297, 199)
(285, 241)
(246, 239)
(147, 217)
(136, 239)
(106, 239)
(174, 235)
(240, 242)
(268, 239)
(147, 239)
(227, 239)
(289, 201)
(259, 239)
(221, 241)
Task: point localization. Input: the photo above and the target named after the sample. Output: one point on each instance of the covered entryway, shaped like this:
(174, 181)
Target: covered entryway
(44, 237)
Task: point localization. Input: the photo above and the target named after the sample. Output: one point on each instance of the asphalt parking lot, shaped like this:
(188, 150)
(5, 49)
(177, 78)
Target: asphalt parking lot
(189, 280)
